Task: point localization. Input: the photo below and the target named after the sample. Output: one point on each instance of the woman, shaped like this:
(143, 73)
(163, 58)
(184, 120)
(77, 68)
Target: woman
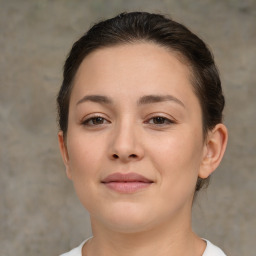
(140, 115)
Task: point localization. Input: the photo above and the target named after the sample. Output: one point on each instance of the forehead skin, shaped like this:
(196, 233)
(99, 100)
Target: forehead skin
(113, 60)
(129, 70)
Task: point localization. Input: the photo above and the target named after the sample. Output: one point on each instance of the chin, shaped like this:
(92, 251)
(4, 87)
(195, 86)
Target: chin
(126, 218)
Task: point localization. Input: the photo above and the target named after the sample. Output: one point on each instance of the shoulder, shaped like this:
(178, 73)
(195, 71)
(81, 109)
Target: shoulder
(76, 251)
(212, 250)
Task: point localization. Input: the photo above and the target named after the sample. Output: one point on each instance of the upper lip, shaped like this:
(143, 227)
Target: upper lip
(126, 177)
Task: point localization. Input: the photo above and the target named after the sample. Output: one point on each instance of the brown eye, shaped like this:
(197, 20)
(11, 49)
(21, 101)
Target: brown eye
(93, 121)
(97, 120)
(159, 120)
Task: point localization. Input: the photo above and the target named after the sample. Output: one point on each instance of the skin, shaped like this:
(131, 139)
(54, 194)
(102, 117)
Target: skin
(128, 137)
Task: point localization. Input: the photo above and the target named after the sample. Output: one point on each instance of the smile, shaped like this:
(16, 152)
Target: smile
(126, 183)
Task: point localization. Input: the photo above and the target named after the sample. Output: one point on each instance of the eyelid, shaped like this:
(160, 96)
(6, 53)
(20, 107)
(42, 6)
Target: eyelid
(162, 115)
(166, 122)
(89, 117)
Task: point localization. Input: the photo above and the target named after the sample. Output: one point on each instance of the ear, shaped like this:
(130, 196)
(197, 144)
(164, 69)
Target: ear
(214, 150)
(64, 153)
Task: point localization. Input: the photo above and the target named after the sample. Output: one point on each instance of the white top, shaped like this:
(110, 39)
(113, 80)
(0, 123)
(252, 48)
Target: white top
(210, 250)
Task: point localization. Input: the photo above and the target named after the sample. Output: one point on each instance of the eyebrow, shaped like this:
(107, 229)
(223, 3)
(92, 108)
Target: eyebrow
(147, 99)
(95, 98)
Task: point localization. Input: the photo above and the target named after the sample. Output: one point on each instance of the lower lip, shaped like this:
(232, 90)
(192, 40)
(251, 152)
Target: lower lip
(127, 187)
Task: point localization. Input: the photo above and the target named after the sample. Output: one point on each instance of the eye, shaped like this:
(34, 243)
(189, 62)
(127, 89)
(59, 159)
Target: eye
(94, 121)
(160, 120)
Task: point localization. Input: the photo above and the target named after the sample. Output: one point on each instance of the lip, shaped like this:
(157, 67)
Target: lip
(126, 183)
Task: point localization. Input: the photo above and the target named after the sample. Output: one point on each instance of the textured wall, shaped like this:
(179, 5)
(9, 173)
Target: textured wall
(39, 212)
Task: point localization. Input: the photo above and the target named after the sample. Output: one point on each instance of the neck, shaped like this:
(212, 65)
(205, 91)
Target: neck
(169, 238)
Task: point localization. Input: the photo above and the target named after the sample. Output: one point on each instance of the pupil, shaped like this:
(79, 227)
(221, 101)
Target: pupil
(159, 120)
(98, 120)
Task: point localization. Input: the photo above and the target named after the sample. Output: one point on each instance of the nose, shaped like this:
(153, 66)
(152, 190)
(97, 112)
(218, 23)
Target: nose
(126, 144)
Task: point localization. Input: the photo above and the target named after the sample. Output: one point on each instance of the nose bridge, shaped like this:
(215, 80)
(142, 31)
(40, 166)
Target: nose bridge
(125, 140)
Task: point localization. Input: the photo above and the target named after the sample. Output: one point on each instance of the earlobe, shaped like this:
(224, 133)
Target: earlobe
(215, 147)
(64, 153)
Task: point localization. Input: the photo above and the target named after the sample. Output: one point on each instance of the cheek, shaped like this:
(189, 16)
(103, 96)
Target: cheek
(85, 159)
(177, 157)
(85, 155)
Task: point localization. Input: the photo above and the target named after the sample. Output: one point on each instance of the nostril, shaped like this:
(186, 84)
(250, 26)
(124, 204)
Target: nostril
(133, 156)
(115, 156)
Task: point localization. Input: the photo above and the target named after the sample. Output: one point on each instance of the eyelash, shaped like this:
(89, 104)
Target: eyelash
(163, 121)
(87, 121)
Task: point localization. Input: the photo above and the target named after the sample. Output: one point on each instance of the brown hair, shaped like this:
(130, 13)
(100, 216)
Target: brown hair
(146, 27)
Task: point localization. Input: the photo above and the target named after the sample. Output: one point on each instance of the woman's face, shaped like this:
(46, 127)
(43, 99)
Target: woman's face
(134, 146)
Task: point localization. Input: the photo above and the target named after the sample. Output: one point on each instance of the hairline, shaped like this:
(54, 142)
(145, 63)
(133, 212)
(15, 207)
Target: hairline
(193, 76)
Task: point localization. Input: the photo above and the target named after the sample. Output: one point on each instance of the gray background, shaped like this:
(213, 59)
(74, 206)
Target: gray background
(39, 212)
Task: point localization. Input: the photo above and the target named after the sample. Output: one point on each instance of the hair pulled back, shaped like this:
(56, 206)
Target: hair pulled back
(127, 28)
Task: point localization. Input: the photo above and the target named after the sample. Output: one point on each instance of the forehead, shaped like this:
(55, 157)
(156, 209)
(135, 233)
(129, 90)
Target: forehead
(136, 53)
(132, 71)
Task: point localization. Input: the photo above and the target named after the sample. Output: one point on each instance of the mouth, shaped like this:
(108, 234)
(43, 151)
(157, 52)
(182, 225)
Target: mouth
(126, 183)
